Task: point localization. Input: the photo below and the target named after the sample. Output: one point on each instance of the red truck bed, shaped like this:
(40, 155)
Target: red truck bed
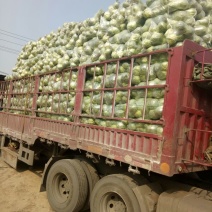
(185, 122)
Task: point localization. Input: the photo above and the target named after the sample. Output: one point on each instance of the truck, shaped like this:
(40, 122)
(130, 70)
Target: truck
(139, 158)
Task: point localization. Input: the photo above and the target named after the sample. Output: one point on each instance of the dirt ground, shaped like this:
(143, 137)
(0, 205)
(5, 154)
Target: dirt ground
(19, 189)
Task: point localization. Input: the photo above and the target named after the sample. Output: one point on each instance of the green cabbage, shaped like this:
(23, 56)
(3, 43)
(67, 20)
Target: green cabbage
(120, 110)
(121, 97)
(107, 110)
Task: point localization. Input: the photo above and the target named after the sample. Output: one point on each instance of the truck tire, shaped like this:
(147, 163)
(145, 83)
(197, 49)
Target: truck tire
(67, 186)
(92, 178)
(114, 193)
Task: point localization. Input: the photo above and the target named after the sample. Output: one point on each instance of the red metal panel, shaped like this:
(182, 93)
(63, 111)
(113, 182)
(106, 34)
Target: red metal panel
(3, 121)
(117, 144)
(16, 126)
(171, 109)
(59, 131)
(195, 109)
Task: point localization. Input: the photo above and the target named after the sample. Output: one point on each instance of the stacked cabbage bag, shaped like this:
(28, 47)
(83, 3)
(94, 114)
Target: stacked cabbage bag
(57, 102)
(22, 98)
(123, 30)
(143, 104)
(169, 23)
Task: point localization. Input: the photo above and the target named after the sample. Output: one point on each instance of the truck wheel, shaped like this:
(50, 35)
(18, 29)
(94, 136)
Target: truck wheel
(92, 178)
(114, 193)
(67, 186)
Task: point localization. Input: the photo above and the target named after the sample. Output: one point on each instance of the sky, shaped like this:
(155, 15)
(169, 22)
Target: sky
(25, 20)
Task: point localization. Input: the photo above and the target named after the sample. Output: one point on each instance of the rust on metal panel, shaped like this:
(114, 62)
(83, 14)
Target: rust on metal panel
(15, 134)
(126, 156)
(95, 149)
(122, 146)
(60, 138)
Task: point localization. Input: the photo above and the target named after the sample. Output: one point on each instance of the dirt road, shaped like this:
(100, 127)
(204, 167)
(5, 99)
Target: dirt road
(19, 189)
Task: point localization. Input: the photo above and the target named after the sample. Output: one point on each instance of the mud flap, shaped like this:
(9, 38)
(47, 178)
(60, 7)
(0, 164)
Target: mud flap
(147, 196)
(9, 156)
(48, 165)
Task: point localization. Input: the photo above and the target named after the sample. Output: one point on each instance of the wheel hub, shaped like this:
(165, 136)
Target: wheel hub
(62, 190)
(114, 203)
